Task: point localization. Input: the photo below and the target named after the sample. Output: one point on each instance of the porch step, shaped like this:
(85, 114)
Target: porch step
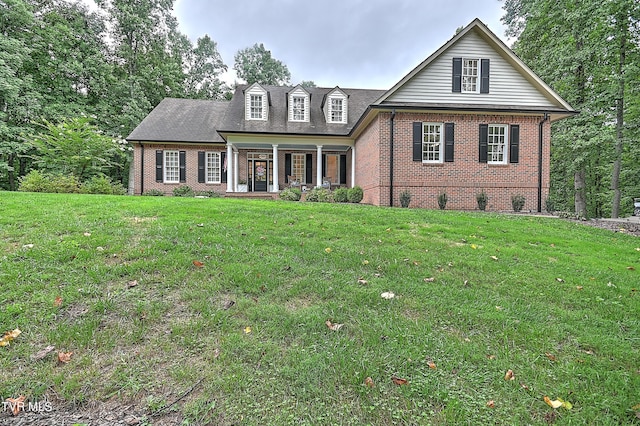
(254, 195)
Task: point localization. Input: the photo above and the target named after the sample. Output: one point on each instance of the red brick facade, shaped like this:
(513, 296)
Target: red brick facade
(461, 179)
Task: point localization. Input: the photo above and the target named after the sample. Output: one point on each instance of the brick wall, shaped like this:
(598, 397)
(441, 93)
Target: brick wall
(461, 179)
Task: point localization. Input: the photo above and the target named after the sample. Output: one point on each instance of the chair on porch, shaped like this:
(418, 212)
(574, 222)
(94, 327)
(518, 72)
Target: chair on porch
(293, 182)
(326, 182)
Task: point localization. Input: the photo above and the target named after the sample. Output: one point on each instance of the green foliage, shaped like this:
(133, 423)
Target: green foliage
(256, 65)
(405, 198)
(355, 194)
(482, 199)
(442, 200)
(517, 202)
(153, 193)
(102, 185)
(291, 194)
(34, 181)
(204, 67)
(183, 191)
(341, 195)
(208, 194)
(319, 194)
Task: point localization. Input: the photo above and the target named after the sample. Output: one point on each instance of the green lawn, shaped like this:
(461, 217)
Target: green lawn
(476, 295)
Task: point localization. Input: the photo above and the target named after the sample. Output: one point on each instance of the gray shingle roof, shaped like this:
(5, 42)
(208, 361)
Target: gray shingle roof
(182, 120)
(278, 123)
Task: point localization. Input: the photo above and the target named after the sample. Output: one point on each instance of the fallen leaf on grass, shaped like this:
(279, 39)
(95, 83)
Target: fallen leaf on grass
(42, 353)
(332, 326)
(369, 382)
(509, 375)
(631, 268)
(198, 264)
(362, 281)
(524, 386)
(228, 304)
(579, 287)
(131, 284)
(431, 364)
(491, 404)
(327, 250)
(399, 381)
(9, 336)
(494, 257)
(473, 246)
(247, 330)
(492, 357)
(87, 234)
(558, 403)
(16, 404)
(64, 357)
(365, 262)
(57, 301)
(551, 356)
(429, 280)
(28, 246)
(387, 295)
(560, 280)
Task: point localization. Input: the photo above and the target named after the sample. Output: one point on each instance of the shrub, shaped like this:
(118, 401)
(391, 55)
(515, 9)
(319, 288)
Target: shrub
(355, 194)
(319, 194)
(517, 202)
(442, 200)
(405, 198)
(153, 193)
(102, 185)
(207, 194)
(341, 195)
(549, 205)
(482, 200)
(291, 194)
(64, 184)
(34, 181)
(183, 191)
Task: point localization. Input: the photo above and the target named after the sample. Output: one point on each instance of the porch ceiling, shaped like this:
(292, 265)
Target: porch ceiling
(289, 146)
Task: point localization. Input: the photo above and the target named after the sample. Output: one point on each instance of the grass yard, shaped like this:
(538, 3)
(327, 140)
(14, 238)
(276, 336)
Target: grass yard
(140, 290)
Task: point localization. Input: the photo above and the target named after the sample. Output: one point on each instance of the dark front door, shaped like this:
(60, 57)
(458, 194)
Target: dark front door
(260, 177)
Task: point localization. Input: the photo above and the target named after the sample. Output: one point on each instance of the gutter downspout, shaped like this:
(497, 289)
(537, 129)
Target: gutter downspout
(141, 170)
(540, 145)
(393, 116)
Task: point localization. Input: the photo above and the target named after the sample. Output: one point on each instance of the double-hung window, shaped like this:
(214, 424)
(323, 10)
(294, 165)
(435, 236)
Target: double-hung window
(336, 110)
(470, 68)
(497, 144)
(256, 107)
(298, 108)
(171, 166)
(432, 143)
(213, 167)
(298, 167)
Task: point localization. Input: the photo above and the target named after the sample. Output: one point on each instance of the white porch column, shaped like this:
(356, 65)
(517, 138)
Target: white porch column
(230, 168)
(235, 171)
(319, 167)
(353, 166)
(276, 186)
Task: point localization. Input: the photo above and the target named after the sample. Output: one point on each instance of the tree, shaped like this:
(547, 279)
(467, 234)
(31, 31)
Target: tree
(203, 67)
(308, 83)
(256, 65)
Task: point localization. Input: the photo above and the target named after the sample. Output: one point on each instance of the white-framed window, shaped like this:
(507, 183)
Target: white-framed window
(171, 166)
(497, 142)
(213, 167)
(470, 73)
(337, 106)
(298, 103)
(298, 167)
(256, 107)
(432, 143)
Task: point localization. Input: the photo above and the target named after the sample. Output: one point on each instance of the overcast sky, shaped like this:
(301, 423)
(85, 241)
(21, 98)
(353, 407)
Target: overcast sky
(368, 44)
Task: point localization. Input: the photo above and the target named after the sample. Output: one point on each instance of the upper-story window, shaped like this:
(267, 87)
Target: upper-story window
(298, 100)
(336, 106)
(298, 108)
(256, 107)
(470, 75)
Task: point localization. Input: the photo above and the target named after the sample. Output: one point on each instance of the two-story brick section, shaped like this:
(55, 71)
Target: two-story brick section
(471, 118)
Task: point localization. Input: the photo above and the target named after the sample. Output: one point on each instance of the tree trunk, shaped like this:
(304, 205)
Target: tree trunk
(580, 198)
(11, 172)
(617, 164)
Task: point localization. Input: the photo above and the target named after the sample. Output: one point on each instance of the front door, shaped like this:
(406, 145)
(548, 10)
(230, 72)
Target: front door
(260, 177)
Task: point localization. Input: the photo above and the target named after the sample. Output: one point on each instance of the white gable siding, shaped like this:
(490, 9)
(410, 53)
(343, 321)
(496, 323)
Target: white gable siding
(255, 90)
(506, 85)
(336, 94)
(299, 92)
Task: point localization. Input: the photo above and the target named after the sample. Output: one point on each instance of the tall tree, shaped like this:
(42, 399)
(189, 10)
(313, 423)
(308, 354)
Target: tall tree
(203, 68)
(256, 65)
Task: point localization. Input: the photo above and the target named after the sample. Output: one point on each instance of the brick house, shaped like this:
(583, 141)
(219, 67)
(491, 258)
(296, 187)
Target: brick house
(471, 117)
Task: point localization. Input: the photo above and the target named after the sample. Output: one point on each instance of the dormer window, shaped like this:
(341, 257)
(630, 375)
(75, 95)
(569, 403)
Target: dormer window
(469, 75)
(298, 101)
(256, 103)
(336, 106)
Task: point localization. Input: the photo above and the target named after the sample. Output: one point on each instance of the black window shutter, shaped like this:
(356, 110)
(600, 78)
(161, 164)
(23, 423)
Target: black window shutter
(287, 168)
(484, 76)
(223, 175)
(456, 86)
(484, 138)
(324, 165)
(514, 143)
(309, 169)
(182, 155)
(343, 169)
(159, 158)
(417, 141)
(448, 142)
(200, 166)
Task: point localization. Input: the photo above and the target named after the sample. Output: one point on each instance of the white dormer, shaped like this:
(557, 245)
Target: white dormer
(336, 106)
(256, 103)
(298, 101)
